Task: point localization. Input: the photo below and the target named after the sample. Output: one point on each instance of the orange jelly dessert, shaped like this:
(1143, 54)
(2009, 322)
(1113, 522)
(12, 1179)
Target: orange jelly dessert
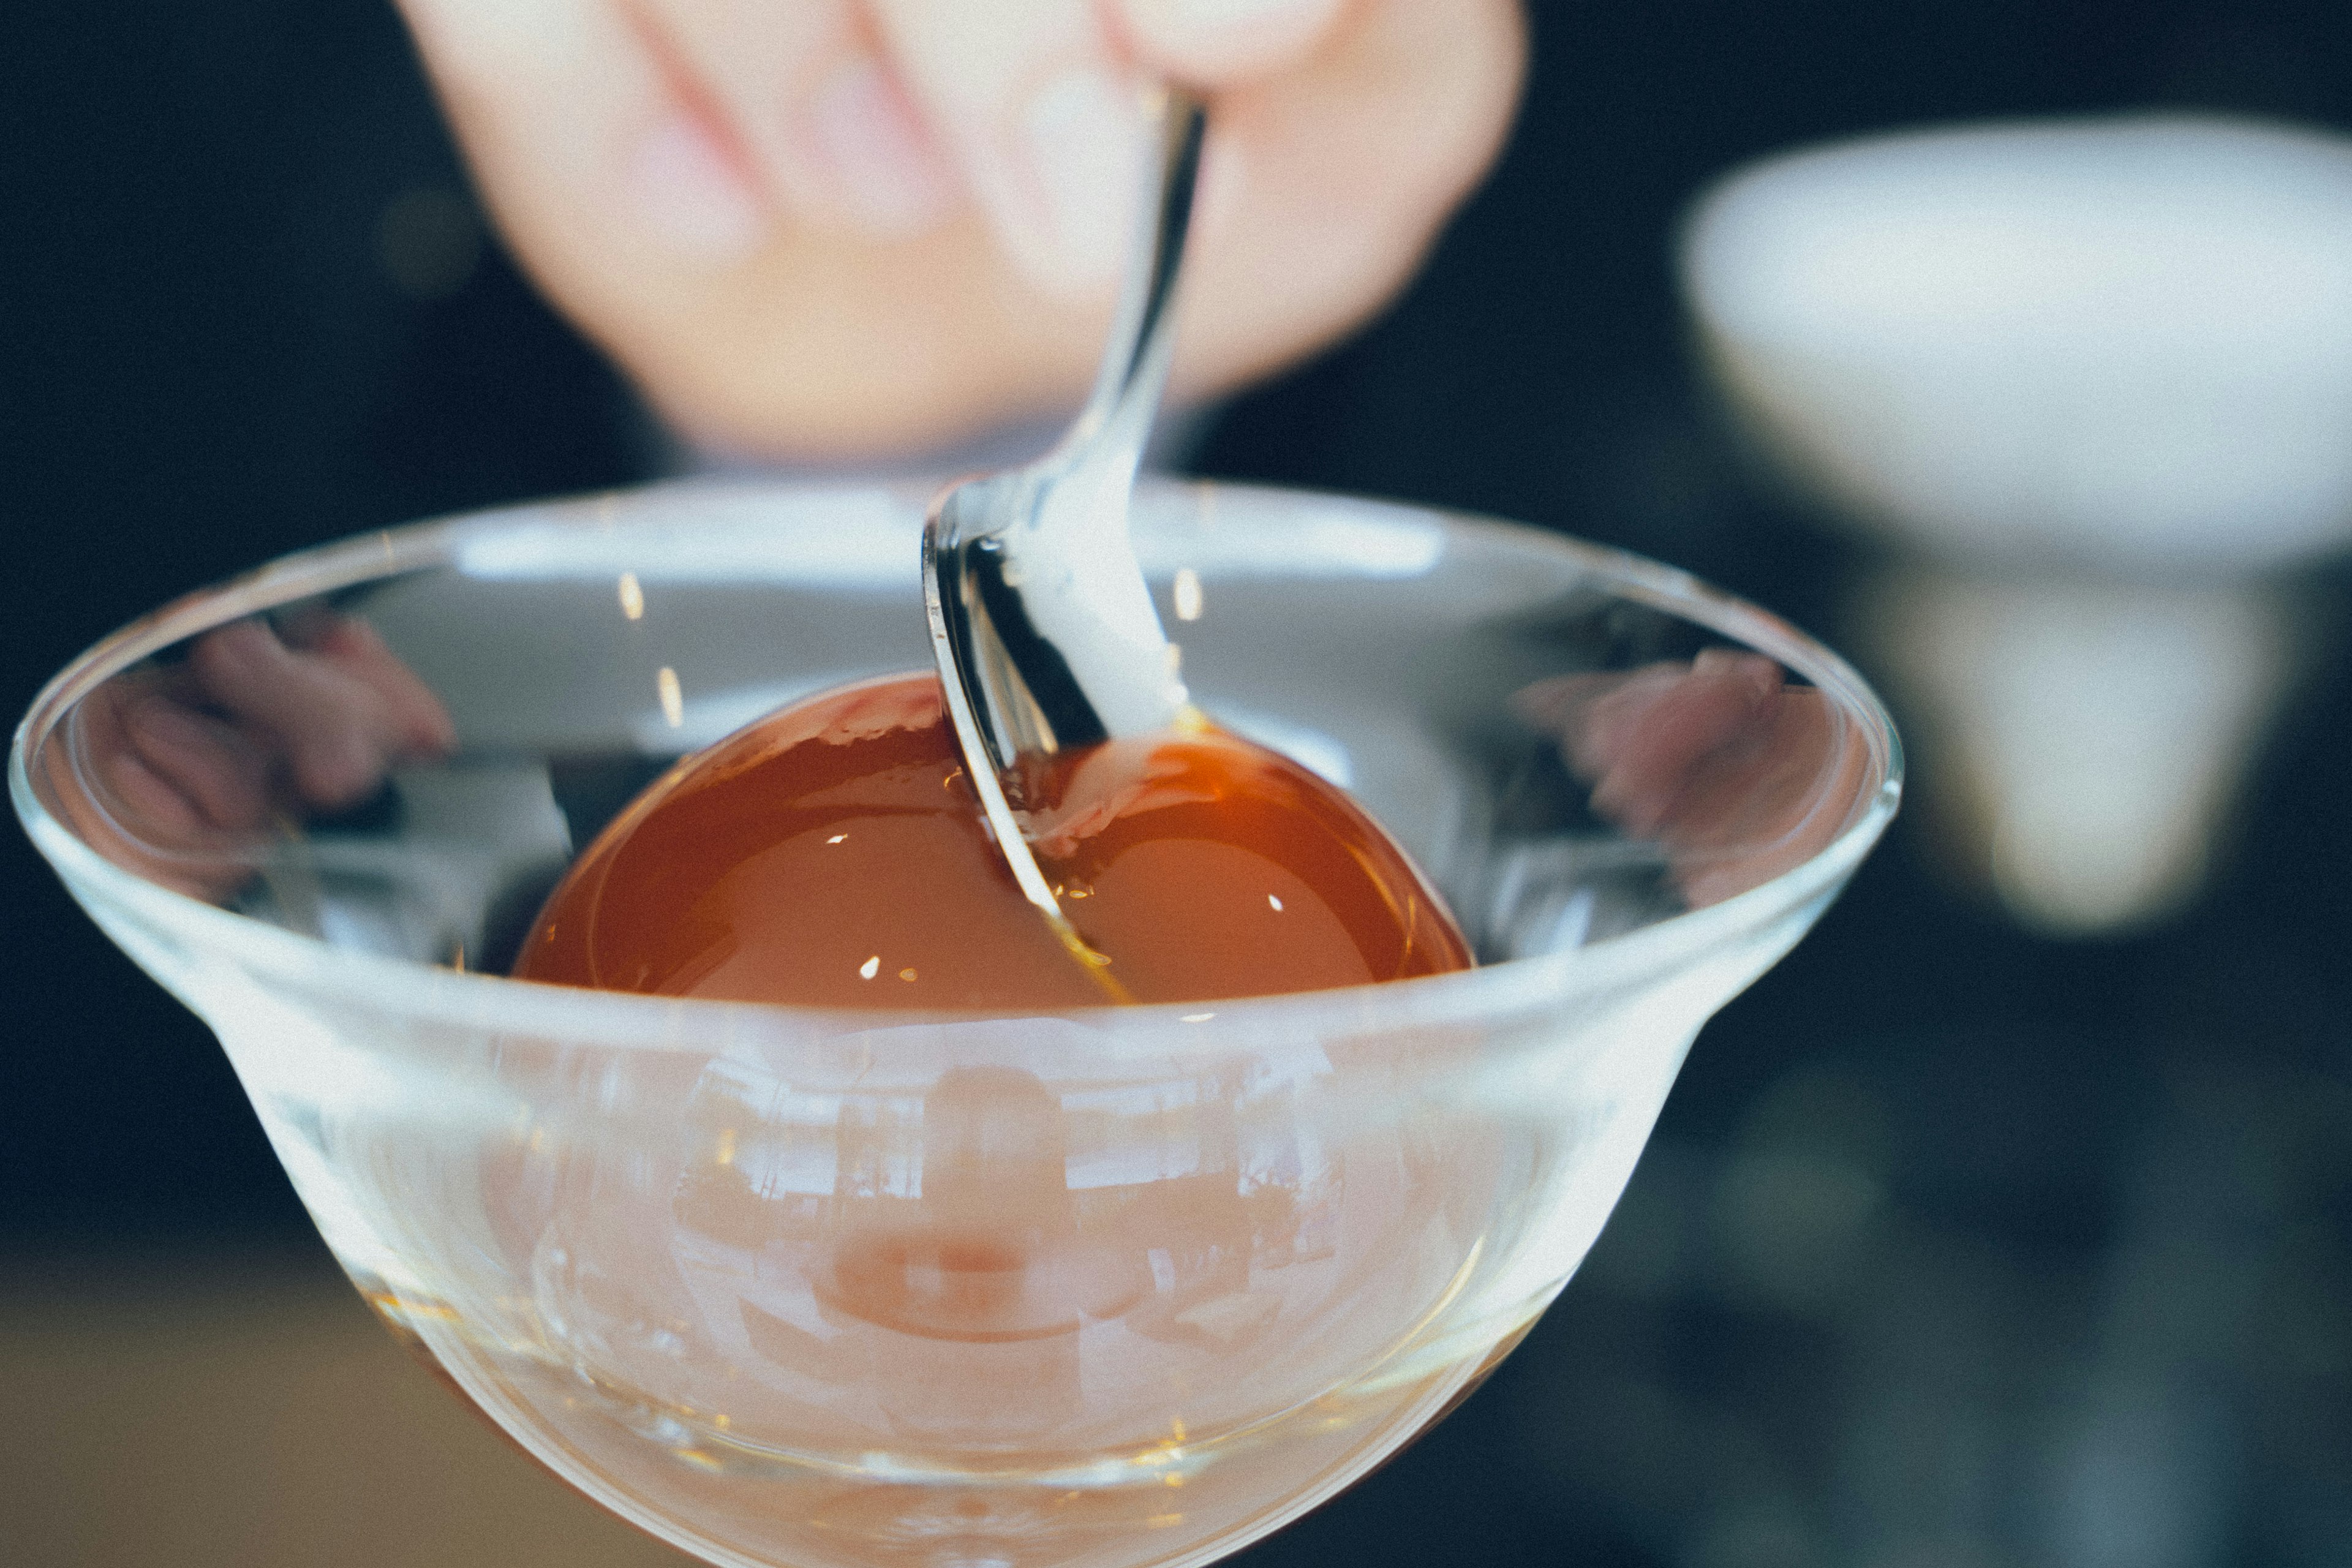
(833, 855)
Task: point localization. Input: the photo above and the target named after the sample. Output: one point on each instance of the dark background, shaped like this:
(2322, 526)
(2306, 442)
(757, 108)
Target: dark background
(1955, 1247)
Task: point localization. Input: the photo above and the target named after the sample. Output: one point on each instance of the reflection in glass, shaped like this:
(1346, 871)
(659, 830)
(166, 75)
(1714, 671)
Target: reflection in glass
(1737, 773)
(183, 770)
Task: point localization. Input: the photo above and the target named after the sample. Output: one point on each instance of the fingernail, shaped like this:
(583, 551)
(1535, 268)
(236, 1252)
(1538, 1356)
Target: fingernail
(693, 193)
(1083, 135)
(892, 179)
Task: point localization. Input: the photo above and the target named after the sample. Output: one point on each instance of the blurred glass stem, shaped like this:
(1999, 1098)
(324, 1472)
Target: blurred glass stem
(2084, 740)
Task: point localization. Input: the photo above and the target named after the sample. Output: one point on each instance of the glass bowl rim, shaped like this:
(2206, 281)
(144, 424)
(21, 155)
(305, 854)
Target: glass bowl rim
(421, 993)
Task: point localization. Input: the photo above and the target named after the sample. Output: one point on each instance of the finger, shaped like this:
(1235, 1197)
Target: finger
(1797, 773)
(420, 725)
(1606, 720)
(1565, 706)
(572, 107)
(804, 88)
(103, 768)
(1048, 123)
(330, 729)
(882, 165)
(1323, 183)
(219, 771)
(1721, 700)
(153, 846)
(98, 782)
(1804, 793)
(752, 65)
(1216, 43)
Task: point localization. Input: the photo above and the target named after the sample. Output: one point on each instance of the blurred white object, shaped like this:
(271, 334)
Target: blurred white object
(2094, 733)
(2126, 343)
(2096, 375)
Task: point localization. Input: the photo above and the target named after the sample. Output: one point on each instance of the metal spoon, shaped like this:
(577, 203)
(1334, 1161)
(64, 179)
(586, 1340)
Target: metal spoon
(1043, 631)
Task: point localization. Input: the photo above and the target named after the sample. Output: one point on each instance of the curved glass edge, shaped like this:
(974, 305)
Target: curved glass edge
(392, 987)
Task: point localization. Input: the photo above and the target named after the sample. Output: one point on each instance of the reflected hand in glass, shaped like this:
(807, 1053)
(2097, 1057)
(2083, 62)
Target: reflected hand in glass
(183, 768)
(1737, 774)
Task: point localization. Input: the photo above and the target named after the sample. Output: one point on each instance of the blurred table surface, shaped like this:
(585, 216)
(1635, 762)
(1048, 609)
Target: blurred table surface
(200, 1413)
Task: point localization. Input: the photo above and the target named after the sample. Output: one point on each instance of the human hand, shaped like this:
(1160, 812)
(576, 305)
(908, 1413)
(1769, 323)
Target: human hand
(1737, 774)
(848, 228)
(177, 772)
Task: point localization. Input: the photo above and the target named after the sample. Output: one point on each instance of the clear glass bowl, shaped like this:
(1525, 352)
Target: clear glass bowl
(1117, 1287)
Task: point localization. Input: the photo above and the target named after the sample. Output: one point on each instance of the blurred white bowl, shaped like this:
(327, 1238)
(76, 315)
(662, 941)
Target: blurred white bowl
(2125, 342)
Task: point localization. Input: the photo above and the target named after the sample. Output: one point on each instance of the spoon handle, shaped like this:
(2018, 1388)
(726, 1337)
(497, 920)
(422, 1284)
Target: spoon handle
(1117, 420)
